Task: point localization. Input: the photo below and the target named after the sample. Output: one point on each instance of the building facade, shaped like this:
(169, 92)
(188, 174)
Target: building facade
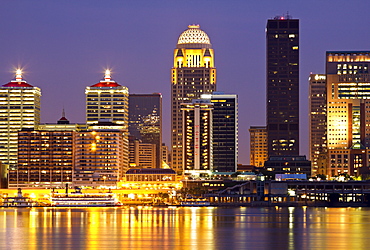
(317, 122)
(224, 130)
(19, 108)
(288, 165)
(282, 90)
(145, 121)
(107, 100)
(197, 138)
(101, 155)
(45, 156)
(142, 155)
(192, 75)
(258, 145)
(348, 111)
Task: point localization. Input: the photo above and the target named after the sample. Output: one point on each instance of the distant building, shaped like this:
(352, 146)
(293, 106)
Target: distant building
(348, 109)
(193, 74)
(258, 145)
(317, 120)
(165, 156)
(19, 109)
(288, 165)
(225, 130)
(145, 121)
(142, 155)
(197, 137)
(282, 37)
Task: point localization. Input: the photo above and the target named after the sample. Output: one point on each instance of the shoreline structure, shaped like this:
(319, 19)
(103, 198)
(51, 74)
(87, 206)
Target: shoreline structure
(232, 193)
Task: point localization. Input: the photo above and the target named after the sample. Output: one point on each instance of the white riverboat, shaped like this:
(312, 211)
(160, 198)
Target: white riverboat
(18, 201)
(83, 200)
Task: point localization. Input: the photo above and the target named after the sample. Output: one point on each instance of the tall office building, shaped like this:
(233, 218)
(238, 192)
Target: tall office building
(348, 111)
(19, 108)
(225, 131)
(282, 36)
(317, 120)
(145, 121)
(197, 137)
(193, 74)
(107, 100)
(101, 155)
(258, 145)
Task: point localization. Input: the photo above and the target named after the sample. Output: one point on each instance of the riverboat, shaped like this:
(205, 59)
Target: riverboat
(195, 203)
(83, 200)
(18, 201)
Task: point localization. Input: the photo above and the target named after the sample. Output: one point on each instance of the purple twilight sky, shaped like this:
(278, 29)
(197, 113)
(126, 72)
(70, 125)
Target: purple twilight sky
(64, 46)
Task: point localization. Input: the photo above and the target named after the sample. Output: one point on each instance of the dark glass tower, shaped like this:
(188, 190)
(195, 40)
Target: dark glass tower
(145, 120)
(282, 114)
(225, 131)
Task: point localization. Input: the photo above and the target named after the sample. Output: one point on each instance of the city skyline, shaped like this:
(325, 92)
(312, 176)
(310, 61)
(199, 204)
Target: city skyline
(63, 48)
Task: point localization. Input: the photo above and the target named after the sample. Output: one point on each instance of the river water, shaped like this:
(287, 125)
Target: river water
(185, 228)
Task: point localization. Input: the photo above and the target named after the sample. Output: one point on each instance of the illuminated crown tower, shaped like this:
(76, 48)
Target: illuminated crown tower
(19, 108)
(107, 100)
(193, 74)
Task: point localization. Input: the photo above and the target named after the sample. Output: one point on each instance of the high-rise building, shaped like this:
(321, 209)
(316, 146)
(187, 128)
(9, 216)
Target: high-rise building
(282, 102)
(258, 145)
(317, 120)
(193, 74)
(45, 155)
(19, 109)
(107, 100)
(101, 155)
(348, 111)
(145, 121)
(197, 138)
(225, 130)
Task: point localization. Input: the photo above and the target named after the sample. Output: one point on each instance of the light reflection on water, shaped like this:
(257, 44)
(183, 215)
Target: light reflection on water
(184, 228)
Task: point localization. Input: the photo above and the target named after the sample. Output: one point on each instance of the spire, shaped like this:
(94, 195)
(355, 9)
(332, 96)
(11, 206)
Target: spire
(107, 75)
(107, 81)
(63, 120)
(18, 75)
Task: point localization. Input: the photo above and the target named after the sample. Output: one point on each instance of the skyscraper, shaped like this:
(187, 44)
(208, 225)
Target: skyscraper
(19, 108)
(107, 100)
(282, 36)
(193, 74)
(348, 109)
(197, 137)
(225, 131)
(145, 121)
(317, 120)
